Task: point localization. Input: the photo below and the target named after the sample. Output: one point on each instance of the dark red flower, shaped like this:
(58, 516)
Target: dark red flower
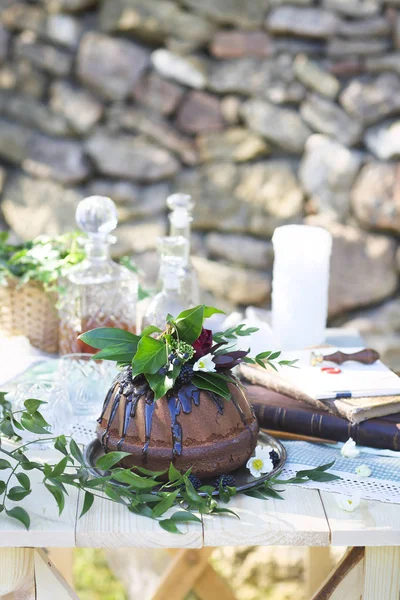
(203, 344)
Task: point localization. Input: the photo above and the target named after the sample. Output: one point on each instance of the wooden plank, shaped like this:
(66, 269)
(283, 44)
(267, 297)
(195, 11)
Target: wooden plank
(298, 520)
(110, 525)
(373, 523)
(17, 580)
(49, 583)
(47, 528)
(318, 566)
(63, 560)
(382, 573)
(347, 580)
(179, 579)
(210, 585)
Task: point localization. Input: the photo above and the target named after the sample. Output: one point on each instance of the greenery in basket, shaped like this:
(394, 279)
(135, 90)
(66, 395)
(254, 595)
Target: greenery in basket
(184, 352)
(43, 259)
(143, 493)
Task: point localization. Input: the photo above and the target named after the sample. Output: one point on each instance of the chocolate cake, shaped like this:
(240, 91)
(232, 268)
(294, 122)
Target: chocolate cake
(189, 426)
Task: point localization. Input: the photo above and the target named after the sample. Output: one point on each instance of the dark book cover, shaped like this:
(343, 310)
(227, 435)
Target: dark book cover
(282, 413)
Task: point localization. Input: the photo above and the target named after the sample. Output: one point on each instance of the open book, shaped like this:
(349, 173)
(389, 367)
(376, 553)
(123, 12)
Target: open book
(358, 393)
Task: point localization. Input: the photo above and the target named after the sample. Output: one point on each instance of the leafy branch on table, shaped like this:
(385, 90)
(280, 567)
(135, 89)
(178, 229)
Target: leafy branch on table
(141, 491)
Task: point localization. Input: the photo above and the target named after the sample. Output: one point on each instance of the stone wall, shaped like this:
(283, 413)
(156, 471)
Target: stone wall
(266, 111)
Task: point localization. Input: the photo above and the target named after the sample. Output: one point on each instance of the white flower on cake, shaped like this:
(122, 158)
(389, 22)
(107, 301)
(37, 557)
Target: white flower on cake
(363, 471)
(348, 503)
(349, 449)
(205, 363)
(260, 463)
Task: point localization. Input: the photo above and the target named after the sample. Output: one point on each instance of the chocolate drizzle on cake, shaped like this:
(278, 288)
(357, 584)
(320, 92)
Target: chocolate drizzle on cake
(180, 399)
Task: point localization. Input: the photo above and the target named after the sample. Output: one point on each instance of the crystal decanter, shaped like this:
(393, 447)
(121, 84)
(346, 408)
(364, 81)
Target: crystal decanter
(173, 253)
(98, 292)
(180, 218)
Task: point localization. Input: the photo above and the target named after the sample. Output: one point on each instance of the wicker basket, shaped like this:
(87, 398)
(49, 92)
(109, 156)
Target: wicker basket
(30, 311)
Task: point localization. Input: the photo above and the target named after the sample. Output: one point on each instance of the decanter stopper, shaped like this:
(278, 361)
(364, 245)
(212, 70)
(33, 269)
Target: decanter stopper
(96, 215)
(180, 202)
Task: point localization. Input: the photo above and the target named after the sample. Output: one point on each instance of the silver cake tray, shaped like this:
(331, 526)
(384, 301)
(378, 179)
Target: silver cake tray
(243, 478)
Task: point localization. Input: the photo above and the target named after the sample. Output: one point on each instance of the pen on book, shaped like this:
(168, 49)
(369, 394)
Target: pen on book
(285, 435)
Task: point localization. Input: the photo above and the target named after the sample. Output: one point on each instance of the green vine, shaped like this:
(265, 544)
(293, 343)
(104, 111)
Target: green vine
(144, 492)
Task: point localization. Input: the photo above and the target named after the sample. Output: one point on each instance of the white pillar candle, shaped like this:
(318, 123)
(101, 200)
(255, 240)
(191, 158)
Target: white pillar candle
(300, 285)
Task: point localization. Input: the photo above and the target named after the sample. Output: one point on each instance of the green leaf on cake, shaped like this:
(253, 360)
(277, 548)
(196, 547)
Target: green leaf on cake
(206, 381)
(32, 405)
(209, 311)
(160, 384)
(20, 515)
(121, 353)
(150, 357)
(109, 460)
(189, 323)
(104, 337)
(150, 329)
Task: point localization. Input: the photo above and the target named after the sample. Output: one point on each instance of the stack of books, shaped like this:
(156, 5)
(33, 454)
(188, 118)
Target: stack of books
(361, 401)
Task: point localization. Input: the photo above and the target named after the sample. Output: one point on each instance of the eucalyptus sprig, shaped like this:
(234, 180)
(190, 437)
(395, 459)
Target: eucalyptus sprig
(141, 491)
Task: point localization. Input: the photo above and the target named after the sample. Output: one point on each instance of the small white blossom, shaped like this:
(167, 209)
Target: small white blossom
(205, 363)
(363, 471)
(349, 449)
(260, 463)
(348, 503)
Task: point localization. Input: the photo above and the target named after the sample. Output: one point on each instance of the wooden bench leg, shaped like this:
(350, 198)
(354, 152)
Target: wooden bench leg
(382, 573)
(63, 560)
(17, 579)
(346, 582)
(318, 566)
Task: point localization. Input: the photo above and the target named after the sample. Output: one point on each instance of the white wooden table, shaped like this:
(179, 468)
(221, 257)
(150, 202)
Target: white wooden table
(305, 517)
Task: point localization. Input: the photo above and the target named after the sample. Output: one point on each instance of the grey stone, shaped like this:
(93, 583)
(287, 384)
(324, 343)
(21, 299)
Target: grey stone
(131, 157)
(58, 159)
(387, 62)
(354, 8)
(4, 43)
(157, 129)
(199, 112)
(327, 117)
(57, 6)
(230, 109)
(44, 56)
(134, 201)
(375, 198)
(14, 141)
(327, 173)
(33, 206)
(342, 47)
(64, 30)
(371, 101)
(235, 44)
(294, 46)
(181, 69)
(138, 237)
(23, 77)
(292, 2)
(158, 93)
(110, 66)
(309, 22)
(380, 328)
(236, 284)
(313, 76)
(235, 144)
(253, 198)
(152, 20)
(281, 126)
(383, 140)
(34, 113)
(363, 268)
(363, 28)
(241, 250)
(272, 78)
(78, 106)
(244, 13)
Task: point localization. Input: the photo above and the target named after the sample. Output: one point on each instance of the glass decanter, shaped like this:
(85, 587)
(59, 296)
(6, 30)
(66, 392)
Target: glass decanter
(98, 292)
(173, 252)
(180, 218)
